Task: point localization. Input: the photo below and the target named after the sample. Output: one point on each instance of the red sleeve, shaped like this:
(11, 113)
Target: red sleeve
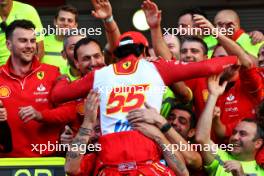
(251, 82)
(64, 91)
(63, 114)
(172, 71)
(237, 34)
(192, 83)
(260, 157)
(88, 164)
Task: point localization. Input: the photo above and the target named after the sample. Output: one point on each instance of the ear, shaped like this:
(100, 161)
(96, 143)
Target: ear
(9, 45)
(76, 63)
(191, 133)
(63, 54)
(258, 143)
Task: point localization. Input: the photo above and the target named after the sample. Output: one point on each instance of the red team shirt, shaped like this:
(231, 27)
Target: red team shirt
(241, 99)
(32, 90)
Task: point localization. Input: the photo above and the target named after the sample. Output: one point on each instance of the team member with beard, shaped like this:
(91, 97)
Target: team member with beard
(25, 85)
(246, 139)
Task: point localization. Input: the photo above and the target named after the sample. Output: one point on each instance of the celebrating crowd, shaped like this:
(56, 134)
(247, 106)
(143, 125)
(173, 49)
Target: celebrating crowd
(175, 105)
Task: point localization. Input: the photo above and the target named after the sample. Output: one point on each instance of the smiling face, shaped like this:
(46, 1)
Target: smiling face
(22, 45)
(244, 141)
(89, 56)
(180, 120)
(65, 20)
(192, 51)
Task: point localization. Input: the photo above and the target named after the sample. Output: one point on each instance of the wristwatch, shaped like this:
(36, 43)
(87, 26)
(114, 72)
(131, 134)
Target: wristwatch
(109, 19)
(165, 128)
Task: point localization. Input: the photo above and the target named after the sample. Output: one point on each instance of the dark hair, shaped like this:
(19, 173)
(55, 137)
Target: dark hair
(189, 110)
(24, 24)
(126, 50)
(84, 41)
(196, 39)
(68, 8)
(192, 11)
(260, 132)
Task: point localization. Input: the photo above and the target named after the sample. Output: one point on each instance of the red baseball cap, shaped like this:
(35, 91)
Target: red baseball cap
(132, 37)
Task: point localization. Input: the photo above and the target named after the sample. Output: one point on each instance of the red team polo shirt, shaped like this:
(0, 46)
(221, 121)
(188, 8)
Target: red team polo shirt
(32, 90)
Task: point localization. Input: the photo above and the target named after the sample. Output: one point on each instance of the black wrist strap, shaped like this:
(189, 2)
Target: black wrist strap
(165, 128)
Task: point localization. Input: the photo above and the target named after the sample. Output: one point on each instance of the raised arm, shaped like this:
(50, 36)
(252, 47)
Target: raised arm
(204, 125)
(153, 16)
(229, 45)
(103, 10)
(73, 157)
(172, 71)
(64, 91)
(218, 126)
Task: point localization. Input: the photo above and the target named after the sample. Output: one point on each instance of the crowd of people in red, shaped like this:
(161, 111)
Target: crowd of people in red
(138, 101)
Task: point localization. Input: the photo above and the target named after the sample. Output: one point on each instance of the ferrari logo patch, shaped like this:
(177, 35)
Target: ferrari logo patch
(40, 75)
(126, 65)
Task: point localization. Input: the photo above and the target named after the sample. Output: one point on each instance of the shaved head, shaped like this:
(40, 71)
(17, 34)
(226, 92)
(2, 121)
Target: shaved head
(227, 18)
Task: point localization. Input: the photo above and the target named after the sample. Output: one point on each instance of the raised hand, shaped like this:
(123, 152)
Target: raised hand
(91, 107)
(102, 9)
(256, 37)
(214, 87)
(153, 14)
(202, 22)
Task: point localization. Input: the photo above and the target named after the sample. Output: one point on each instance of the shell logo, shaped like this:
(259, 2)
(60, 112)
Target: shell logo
(80, 108)
(4, 92)
(205, 94)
